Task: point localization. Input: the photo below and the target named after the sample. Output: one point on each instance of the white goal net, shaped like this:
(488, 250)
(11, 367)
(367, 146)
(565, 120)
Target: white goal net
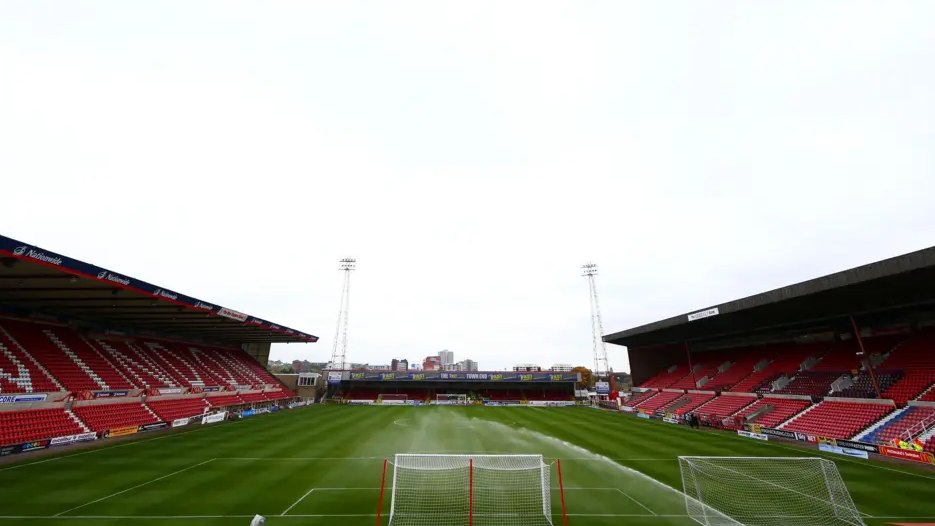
(470, 490)
(766, 491)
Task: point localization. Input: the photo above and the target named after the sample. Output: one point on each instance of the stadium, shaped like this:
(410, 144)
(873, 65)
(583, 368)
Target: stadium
(125, 402)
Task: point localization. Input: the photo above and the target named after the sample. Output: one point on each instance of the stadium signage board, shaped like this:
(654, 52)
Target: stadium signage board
(71, 439)
(748, 434)
(436, 376)
(153, 427)
(179, 422)
(121, 431)
(642, 415)
(334, 377)
(908, 454)
(670, 420)
(22, 399)
(212, 388)
(110, 394)
(217, 417)
(550, 403)
(843, 450)
(232, 314)
(171, 390)
(602, 388)
(707, 313)
(22, 448)
(863, 446)
(28, 252)
(778, 433)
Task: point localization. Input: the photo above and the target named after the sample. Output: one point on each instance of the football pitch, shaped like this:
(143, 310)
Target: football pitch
(322, 465)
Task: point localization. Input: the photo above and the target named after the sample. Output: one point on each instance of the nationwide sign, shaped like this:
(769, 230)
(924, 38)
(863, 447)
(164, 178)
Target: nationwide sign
(438, 376)
(27, 252)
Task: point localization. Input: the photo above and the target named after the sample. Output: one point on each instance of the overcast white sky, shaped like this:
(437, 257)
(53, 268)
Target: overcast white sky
(471, 156)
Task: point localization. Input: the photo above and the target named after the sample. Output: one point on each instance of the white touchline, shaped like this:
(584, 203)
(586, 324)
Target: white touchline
(627, 495)
(307, 493)
(134, 487)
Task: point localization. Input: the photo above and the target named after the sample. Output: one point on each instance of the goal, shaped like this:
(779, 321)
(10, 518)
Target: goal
(470, 490)
(451, 399)
(766, 491)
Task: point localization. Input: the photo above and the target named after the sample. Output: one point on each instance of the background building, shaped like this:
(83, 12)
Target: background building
(447, 357)
(432, 363)
(467, 365)
(527, 367)
(399, 365)
(562, 367)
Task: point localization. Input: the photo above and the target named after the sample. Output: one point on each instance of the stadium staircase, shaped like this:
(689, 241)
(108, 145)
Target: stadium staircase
(738, 370)
(785, 360)
(144, 373)
(69, 373)
(668, 377)
(897, 424)
(89, 358)
(773, 412)
(633, 401)
(688, 402)
(838, 418)
(19, 371)
(75, 419)
(101, 417)
(724, 406)
(659, 401)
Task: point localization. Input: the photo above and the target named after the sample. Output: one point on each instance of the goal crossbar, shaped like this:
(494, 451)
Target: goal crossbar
(433, 489)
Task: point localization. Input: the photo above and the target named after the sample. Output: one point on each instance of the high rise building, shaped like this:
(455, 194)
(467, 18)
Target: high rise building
(526, 368)
(447, 357)
(467, 365)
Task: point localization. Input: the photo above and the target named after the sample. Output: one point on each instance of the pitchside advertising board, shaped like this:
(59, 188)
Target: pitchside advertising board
(436, 376)
(22, 399)
(23, 448)
(602, 388)
(843, 450)
(28, 252)
(71, 439)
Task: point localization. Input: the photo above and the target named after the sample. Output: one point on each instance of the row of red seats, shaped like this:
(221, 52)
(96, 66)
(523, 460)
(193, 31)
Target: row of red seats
(81, 363)
(35, 424)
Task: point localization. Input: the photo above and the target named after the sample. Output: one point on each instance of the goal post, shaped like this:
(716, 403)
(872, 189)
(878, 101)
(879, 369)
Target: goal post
(450, 399)
(470, 490)
(766, 491)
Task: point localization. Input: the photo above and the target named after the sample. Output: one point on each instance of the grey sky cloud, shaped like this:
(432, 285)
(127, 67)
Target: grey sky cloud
(471, 155)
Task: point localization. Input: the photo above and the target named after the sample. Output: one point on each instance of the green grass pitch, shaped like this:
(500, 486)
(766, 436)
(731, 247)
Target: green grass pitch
(322, 465)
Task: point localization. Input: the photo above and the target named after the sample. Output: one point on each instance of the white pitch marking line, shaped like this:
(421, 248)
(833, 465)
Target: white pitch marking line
(627, 495)
(179, 517)
(105, 448)
(134, 487)
(307, 493)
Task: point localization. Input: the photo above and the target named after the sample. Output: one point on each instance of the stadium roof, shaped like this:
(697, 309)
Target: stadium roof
(868, 293)
(39, 281)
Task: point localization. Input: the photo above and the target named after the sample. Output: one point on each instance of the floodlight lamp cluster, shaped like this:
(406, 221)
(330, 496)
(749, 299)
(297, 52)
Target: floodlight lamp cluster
(589, 269)
(347, 264)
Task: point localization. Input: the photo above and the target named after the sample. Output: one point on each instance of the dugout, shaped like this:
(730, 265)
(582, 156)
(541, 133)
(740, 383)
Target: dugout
(892, 295)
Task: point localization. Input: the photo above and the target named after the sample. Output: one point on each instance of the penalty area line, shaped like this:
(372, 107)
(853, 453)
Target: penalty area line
(132, 488)
(307, 493)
